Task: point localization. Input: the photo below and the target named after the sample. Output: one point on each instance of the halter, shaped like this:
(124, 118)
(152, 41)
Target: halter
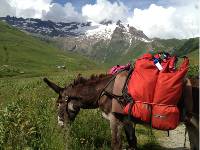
(68, 99)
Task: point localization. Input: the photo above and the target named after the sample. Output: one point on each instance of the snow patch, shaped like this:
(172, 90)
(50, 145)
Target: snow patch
(101, 31)
(145, 40)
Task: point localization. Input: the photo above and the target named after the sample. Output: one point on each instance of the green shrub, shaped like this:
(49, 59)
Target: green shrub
(193, 71)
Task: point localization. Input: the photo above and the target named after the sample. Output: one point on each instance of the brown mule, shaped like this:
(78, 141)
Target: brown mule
(88, 94)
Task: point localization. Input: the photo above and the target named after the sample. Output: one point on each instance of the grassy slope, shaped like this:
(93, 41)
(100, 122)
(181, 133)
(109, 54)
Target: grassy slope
(189, 46)
(194, 57)
(117, 53)
(191, 49)
(21, 53)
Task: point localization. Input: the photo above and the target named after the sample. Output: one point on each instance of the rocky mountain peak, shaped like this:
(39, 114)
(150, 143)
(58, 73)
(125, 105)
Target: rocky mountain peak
(128, 33)
(137, 33)
(119, 24)
(106, 22)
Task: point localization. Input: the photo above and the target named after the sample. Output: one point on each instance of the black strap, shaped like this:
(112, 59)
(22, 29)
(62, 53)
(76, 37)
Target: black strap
(125, 94)
(129, 110)
(127, 97)
(111, 95)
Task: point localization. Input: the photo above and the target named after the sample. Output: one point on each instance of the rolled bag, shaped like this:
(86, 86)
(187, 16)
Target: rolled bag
(156, 93)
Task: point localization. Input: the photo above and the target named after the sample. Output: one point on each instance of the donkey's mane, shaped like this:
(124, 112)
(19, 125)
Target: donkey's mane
(92, 80)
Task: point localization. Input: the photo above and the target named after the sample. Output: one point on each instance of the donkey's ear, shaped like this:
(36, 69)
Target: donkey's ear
(52, 85)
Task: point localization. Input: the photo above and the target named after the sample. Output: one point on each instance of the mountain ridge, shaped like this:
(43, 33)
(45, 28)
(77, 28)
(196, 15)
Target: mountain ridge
(108, 42)
(63, 29)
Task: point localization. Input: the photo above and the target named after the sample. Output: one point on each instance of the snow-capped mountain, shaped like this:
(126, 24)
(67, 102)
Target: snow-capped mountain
(99, 41)
(107, 31)
(47, 28)
(104, 30)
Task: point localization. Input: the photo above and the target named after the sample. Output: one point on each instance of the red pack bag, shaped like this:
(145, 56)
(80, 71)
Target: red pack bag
(145, 73)
(140, 111)
(168, 91)
(165, 117)
(169, 85)
(159, 90)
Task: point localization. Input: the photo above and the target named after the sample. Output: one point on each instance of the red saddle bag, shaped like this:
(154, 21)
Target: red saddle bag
(156, 92)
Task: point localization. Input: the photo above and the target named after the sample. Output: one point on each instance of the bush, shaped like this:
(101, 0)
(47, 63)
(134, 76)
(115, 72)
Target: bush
(193, 71)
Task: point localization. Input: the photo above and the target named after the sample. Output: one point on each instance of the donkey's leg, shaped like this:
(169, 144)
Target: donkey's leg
(116, 127)
(129, 128)
(193, 134)
(187, 94)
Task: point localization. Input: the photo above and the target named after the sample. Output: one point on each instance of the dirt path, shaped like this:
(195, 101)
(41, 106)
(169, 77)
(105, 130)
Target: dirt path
(175, 141)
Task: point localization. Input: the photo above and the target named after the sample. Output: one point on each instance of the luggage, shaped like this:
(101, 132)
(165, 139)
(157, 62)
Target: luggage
(156, 87)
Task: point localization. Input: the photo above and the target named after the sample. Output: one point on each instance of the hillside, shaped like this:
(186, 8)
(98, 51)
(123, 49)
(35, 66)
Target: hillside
(119, 52)
(106, 43)
(191, 49)
(22, 54)
(188, 47)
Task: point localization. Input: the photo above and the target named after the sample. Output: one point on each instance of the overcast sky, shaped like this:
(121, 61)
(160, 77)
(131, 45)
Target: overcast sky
(156, 18)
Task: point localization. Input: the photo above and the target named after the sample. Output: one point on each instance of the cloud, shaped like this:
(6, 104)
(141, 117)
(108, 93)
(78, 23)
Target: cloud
(59, 13)
(171, 22)
(6, 8)
(30, 8)
(105, 10)
(171, 19)
(43, 9)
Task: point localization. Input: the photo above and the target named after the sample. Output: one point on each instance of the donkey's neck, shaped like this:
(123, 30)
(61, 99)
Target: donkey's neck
(91, 93)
